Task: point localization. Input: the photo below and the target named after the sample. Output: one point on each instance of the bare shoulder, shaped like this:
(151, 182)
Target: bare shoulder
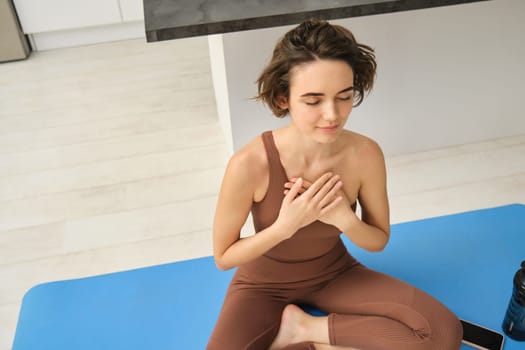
(363, 149)
(249, 166)
(250, 159)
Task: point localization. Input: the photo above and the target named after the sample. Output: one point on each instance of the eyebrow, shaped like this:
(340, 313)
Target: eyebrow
(321, 94)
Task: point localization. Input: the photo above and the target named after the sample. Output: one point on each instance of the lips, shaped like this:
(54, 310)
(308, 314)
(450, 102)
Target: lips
(328, 128)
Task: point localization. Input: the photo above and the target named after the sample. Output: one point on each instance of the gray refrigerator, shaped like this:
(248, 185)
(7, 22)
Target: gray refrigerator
(13, 43)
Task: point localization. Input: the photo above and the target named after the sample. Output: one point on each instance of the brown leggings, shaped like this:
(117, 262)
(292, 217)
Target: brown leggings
(366, 309)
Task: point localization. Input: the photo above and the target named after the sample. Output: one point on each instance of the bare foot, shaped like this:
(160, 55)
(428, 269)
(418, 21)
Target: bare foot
(292, 328)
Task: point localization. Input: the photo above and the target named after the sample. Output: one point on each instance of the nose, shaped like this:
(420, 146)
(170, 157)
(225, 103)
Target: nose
(330, 112)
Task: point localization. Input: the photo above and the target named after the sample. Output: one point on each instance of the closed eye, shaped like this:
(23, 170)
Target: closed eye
(312, 103)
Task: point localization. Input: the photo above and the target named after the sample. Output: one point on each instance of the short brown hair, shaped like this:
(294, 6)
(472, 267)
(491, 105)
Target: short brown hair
(313, 40)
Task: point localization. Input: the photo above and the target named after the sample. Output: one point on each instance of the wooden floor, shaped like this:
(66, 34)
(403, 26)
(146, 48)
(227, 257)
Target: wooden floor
(111, 158)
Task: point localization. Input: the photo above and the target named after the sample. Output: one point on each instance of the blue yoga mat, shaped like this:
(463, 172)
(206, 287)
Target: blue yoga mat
(466, 260)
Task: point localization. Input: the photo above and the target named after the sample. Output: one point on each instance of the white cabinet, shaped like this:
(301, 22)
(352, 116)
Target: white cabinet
(37, 16)
(54, 24)
(132, 10)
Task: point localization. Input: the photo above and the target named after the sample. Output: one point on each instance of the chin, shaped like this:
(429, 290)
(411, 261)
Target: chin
(327, 138)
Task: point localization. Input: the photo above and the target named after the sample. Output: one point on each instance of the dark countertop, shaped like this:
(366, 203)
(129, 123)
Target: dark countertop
(172, 19)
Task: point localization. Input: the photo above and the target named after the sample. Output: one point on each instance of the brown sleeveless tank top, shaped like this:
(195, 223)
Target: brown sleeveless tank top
(310, 241)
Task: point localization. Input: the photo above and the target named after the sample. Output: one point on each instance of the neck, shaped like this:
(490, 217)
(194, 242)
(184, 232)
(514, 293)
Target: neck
(305, 149)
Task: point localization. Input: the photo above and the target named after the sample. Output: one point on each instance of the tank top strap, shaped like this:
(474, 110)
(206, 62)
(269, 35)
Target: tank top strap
(274, 160)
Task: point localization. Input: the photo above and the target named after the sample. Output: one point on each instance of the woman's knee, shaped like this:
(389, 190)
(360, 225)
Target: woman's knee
(447, 333)
(453, 333)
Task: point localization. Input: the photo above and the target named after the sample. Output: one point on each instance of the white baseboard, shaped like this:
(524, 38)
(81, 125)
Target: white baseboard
(87, 36)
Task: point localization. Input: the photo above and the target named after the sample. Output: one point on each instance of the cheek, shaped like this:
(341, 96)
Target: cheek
(302, 110)
(347, 108)
(310, 115)
(304, 115)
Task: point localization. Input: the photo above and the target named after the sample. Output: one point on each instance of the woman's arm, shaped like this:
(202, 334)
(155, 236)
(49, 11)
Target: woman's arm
(244, 172)
(233, 206)
(372, 231)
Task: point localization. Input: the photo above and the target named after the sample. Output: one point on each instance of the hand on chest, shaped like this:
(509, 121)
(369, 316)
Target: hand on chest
(312, 173)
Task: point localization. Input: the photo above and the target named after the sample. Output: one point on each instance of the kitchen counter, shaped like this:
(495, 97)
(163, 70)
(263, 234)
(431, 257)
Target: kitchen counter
(169, 19)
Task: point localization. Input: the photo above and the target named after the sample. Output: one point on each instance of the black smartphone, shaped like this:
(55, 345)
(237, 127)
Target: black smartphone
(480, 337)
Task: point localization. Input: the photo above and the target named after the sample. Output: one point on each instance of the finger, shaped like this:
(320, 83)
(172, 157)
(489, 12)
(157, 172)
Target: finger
(292, 193)
(301, 190)
(331, 206)
(306, 183)
(326, 188)
(330, 195)
(289, 185)
(318, 184)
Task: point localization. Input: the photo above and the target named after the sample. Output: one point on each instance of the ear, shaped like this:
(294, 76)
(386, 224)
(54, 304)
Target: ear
(282, 102)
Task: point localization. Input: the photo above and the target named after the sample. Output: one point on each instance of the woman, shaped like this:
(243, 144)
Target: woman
(302, 183)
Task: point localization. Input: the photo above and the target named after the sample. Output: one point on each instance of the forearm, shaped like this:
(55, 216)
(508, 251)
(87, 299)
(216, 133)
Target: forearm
(249, 248)
(366, 236)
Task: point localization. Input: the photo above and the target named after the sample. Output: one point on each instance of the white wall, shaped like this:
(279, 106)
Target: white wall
(220, 85)
(448, 75)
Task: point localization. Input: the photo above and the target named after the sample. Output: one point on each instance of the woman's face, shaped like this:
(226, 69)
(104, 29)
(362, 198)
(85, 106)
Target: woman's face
(321, 98)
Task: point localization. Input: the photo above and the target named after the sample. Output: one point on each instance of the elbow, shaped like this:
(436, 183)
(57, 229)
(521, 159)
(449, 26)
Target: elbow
(222, 267)
(380, 244)
(221, 264)
(376, 249)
